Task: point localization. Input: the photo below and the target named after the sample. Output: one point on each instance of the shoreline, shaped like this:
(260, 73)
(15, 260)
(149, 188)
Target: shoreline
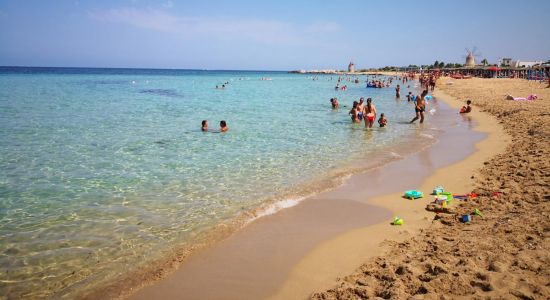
(504, 254)
(334, 258)
(454, 177)
(170, 278)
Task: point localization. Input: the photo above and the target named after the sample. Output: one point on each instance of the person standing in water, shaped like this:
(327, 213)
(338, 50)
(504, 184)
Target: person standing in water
(353, 113)
(420, 107)
(369, 113)
(398, 92)
(334, 103)
(382, 121)
(360, 108)
(223, 126)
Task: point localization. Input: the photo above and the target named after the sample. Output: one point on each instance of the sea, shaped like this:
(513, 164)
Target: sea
(106, 171)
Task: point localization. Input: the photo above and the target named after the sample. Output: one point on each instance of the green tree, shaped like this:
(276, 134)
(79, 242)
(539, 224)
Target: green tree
(484, 62)
(441, 65)
(436, 64)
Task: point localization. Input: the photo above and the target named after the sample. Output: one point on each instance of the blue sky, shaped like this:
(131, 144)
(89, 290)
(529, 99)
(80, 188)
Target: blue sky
(268, 35)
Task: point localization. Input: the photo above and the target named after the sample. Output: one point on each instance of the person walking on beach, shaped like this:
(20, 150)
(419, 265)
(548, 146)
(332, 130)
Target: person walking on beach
(420, 107)
(223, 126)
(369, 113)
(432, 83)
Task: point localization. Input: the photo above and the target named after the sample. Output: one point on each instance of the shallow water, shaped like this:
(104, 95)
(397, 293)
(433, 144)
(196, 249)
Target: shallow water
(102, 169)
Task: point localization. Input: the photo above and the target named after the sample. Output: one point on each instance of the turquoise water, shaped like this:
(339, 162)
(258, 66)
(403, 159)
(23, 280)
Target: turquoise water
(103, 168)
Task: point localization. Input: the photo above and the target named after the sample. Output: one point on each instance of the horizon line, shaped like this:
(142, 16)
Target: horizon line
(144, 68)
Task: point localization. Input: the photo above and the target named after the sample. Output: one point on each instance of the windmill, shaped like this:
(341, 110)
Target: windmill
(351, 67)
(471, 56)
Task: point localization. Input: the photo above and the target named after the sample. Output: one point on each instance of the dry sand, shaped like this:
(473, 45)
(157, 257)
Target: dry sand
(506, 254)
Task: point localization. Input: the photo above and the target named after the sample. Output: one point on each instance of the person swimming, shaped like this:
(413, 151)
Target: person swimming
(223, 126)
(204, 125)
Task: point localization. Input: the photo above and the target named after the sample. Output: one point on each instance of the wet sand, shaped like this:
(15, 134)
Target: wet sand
(278, 256)
(505, 254)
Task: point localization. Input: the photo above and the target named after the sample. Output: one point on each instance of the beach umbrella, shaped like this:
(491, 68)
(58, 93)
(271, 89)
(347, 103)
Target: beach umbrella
(494, 69)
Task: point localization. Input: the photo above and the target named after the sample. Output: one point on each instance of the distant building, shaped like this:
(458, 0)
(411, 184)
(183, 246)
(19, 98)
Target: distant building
(351, 67)
(470, 60)
(506, 62)
(523, 64)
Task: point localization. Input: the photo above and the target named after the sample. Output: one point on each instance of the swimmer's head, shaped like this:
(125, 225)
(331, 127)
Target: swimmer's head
(381, 115)
(204, 123)
(222, 123)
(369, 100)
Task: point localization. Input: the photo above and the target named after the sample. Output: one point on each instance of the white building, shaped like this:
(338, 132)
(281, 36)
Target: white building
(523, 64)
(506, 62)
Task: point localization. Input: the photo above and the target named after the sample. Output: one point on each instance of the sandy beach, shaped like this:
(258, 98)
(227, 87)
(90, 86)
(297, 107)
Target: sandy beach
(505, 254)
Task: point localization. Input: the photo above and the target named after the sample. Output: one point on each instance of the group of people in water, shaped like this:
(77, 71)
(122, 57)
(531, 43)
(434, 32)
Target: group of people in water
(223, 126)
(367, 111)
(361, 111)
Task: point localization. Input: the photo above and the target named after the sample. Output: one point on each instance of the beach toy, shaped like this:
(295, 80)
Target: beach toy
(470, 196)
(438, 190)
(413, 194)
(478, 213)
(449, 196)
(465, 218)
(428, 97)
(397, 221)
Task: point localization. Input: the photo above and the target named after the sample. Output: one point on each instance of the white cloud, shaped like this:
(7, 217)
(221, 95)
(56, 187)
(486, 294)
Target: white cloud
(263, 31)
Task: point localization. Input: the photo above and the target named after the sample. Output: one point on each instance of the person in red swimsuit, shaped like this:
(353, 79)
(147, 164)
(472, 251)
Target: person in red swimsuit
(369, 113)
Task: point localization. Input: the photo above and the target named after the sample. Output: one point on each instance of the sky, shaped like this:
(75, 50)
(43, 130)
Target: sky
(268, 35)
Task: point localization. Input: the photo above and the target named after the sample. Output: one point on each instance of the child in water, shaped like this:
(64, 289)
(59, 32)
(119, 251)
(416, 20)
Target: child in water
(466, 109)
(223, 126)
(204, 126)
(382, 121)
(334, 103)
